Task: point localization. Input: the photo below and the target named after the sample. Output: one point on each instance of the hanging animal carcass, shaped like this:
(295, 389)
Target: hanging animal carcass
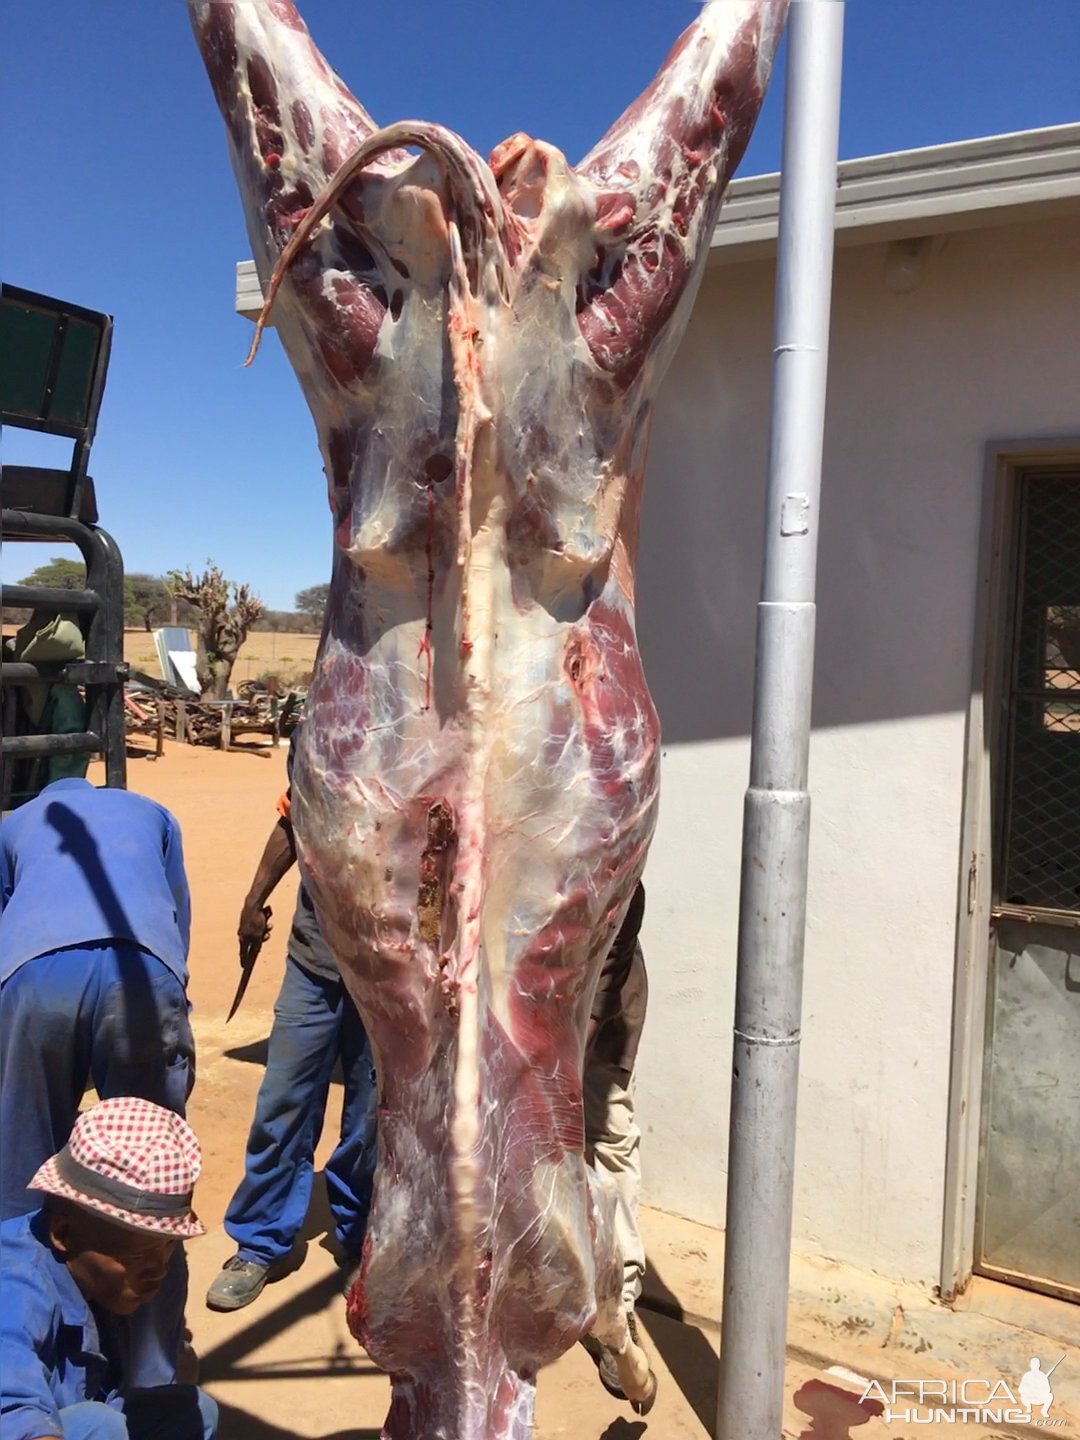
(476, 784)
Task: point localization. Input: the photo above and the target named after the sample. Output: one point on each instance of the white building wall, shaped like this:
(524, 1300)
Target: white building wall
(987, 346)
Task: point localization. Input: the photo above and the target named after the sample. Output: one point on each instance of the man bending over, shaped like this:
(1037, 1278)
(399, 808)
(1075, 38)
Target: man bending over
(117, 1204)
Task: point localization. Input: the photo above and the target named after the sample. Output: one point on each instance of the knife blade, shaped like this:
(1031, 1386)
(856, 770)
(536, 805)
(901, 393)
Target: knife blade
(250, 954)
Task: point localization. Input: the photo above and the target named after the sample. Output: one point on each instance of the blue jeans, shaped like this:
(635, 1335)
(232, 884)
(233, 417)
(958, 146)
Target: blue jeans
(171, 1412)
(109, 1014)
(315, 1025)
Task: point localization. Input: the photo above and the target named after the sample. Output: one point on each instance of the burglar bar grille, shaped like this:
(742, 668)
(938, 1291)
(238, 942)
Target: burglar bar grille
(1042, 822)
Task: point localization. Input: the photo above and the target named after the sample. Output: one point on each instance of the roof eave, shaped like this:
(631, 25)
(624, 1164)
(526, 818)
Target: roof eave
(998, 179)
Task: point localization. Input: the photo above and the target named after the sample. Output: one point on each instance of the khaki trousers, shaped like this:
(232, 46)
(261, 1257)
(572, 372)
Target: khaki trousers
(613, 1146)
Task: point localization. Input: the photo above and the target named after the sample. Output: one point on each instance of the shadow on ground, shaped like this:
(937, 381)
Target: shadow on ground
(224, 1360)
(237, 1422)
(254, 1053)
(683, 1348)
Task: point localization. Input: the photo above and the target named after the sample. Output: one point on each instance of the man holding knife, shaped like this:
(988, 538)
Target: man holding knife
(315, 1025)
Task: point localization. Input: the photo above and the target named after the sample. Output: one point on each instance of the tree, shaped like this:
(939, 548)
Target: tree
(147, 598)
(285, 620)
(59, 574)
(312, 601)
(227, 612)
(152, 602)
(62, 574)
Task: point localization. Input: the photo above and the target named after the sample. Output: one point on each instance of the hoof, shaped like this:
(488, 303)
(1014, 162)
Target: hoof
(643, 1406)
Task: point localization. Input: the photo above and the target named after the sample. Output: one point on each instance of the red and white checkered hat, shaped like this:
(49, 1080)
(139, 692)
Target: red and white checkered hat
(132, 1162)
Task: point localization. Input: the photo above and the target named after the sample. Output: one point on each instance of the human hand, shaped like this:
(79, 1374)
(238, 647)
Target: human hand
(253, 930)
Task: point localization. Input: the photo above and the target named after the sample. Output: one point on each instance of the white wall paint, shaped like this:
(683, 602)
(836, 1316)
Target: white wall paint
(987, 346)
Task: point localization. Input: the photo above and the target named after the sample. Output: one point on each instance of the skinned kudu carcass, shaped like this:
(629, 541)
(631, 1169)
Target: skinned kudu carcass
(476, 784)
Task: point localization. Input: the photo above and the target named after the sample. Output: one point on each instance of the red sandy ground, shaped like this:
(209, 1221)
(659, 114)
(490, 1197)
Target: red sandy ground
(286, 1366)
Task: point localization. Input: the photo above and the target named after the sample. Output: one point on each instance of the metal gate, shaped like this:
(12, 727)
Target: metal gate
(1028, 1215)
(53, 361)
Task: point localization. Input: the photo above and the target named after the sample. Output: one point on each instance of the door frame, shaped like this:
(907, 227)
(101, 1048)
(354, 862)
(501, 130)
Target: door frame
(982, 796)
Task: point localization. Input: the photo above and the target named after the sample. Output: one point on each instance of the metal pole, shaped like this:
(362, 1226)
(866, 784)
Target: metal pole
(776, 819)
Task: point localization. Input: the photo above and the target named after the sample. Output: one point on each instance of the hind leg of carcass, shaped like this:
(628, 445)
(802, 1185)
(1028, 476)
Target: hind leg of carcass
(616, 1337)
(614, 1329)
(636, 1378)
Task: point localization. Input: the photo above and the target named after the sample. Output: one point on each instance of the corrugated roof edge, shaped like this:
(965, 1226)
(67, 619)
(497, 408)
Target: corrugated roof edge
(994, 180)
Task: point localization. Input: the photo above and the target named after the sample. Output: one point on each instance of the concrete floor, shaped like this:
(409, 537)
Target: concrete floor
(287, 1367)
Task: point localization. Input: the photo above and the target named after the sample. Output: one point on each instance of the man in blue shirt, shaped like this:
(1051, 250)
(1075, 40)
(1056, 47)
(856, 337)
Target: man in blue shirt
(95, 919)
(117, 1206)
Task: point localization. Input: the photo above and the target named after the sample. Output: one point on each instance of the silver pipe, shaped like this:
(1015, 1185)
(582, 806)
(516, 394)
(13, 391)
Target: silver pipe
(776, 818)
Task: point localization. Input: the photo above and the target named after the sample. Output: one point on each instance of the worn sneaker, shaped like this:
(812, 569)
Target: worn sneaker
(237, 1284)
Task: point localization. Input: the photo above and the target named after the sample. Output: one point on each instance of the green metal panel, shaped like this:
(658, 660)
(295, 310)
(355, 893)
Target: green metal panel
(49, 358)
(75, 374)
(26, 345)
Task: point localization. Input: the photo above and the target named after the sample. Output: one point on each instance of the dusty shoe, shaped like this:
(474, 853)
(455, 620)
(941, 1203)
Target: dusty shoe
(238, 1283)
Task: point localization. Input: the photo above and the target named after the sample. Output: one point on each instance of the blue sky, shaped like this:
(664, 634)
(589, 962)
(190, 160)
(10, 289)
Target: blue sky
(118, 195)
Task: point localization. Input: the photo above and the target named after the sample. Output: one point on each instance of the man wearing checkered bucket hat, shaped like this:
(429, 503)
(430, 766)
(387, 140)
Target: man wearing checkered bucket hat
(74, 1274)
